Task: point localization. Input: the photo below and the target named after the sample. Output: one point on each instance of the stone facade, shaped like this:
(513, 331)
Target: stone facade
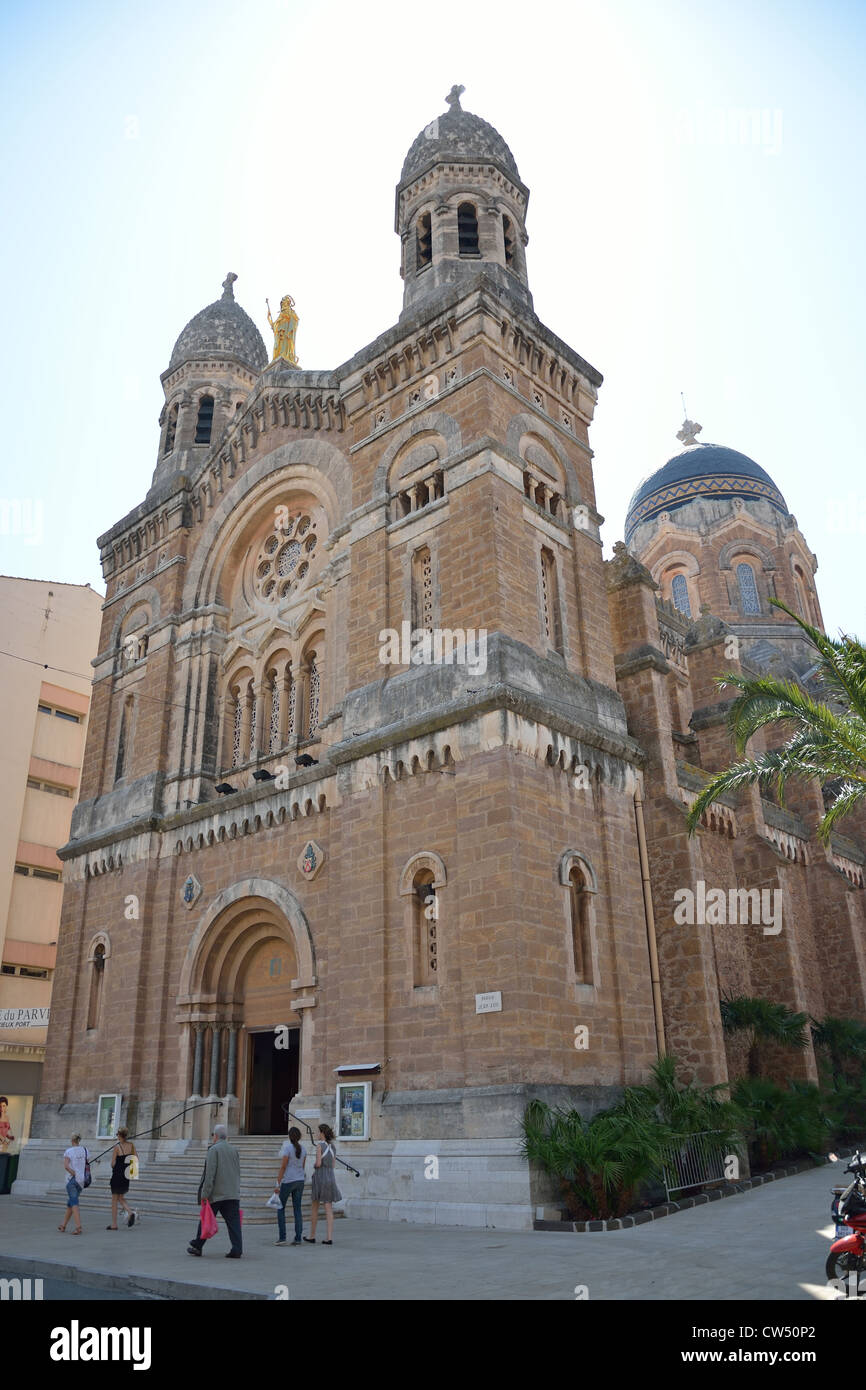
(440, 479)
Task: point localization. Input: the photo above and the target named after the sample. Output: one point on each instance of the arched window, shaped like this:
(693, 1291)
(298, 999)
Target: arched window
(423, 241)
(748, 589)
(425, 916)
(680, 594)
(204, 422)
(421, 880)
(467, 230)
(170, 430)
(508, 237)
(97, 973)
(422, 590)
(552, 626)
(313, 699)
(801, 590)
(581, 943)
(123, 740)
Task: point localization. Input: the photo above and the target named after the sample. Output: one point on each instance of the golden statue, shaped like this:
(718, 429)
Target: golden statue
(285, 326)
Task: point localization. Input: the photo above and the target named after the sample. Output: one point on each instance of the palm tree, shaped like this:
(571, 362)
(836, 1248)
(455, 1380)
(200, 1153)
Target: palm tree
(764, 1022)
(826, 741)
(844, 1040)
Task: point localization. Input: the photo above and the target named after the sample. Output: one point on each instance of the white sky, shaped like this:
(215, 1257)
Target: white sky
(676, 246)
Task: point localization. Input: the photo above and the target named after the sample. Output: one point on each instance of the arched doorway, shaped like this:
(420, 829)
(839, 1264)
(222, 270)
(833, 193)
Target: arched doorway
(246, 995)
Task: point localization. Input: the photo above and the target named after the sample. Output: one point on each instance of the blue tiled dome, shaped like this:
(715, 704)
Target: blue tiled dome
(701, 470)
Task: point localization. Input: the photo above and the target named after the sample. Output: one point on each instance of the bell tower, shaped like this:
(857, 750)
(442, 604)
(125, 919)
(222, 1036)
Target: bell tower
(460, 206)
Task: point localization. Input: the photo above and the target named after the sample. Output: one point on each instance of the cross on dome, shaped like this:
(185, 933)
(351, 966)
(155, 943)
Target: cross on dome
(689, 432)
(228, 292)
(453, 97)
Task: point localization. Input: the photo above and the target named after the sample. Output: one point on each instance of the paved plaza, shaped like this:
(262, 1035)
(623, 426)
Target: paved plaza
(770, 1243)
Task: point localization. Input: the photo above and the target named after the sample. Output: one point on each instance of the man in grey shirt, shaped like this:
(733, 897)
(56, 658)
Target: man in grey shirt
(221, 1186)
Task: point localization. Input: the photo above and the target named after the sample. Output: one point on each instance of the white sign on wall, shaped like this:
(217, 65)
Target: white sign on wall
(490, 1003)
(24, 1018)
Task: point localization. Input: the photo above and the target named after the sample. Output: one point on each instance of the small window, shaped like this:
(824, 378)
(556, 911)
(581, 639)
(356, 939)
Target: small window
(581, 943)
(51, 874)
(170, 430)
(423, 241)
(31, 974)
(550, 600)
(748, 589)
(680, 594)
(63, 714)
(44, 709)
(22, 869)
(7, 969)
(508, 236)
(467, 230)
(204, 423)
(32, 782)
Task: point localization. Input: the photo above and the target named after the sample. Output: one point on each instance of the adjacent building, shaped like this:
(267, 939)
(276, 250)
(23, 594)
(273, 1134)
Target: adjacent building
(49, 633)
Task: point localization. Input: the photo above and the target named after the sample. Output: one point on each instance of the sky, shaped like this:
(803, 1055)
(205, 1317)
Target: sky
(695, 224)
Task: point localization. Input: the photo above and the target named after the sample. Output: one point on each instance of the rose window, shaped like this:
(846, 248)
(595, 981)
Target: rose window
(284, 559)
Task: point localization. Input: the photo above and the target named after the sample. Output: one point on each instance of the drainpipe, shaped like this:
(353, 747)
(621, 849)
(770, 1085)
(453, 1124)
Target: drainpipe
(650, 922)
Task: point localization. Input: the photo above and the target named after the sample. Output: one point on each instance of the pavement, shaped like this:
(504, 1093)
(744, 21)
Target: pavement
(767, 1244)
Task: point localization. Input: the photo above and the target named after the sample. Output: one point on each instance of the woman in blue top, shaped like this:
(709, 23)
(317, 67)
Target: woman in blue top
(293, 1156)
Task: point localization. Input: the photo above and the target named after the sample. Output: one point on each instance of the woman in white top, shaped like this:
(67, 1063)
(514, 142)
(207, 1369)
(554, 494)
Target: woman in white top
(74, 1159)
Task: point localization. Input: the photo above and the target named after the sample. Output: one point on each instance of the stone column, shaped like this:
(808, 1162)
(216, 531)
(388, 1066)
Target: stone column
(198, 1028)
(232, 1064)
(215, 1059)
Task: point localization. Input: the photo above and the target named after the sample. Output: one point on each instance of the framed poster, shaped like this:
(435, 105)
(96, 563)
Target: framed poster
(14, 1122)
(107, 1116)
(353, 1109)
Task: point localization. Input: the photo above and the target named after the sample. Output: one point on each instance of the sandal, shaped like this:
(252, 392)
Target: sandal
(309, 1240)
(78, 1232)
(62, 1230)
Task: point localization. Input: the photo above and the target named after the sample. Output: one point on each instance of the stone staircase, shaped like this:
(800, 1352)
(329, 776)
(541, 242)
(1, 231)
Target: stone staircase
(167, 1187)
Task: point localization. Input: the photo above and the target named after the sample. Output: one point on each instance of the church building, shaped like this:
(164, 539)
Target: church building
(383, 802)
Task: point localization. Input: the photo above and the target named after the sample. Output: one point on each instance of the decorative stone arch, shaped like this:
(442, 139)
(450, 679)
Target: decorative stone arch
(318, 465)
(685, 563)
(583, 975)
(100, 939)
(216, 916)
(745, 547)
(432, 422)
(145, 594)
(424, 859)
(523, 424)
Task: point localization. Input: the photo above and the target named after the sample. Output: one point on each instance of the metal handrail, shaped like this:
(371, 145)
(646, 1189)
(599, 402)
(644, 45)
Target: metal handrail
(218, 1104)
(287, 1112)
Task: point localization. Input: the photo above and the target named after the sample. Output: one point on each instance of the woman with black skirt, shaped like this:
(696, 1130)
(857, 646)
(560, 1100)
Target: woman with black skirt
(119, 1180)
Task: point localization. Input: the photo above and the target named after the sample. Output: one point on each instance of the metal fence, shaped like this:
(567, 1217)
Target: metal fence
(699, 1160)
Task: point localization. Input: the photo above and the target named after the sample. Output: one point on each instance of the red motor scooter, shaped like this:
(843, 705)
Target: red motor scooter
(847, 1259)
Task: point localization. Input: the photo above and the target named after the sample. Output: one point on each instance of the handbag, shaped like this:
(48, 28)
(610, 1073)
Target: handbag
(208, 1220)
(87, 1178)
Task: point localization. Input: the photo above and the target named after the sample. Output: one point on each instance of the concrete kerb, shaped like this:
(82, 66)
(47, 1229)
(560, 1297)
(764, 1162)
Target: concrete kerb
(147, 1286)
(641, 1218)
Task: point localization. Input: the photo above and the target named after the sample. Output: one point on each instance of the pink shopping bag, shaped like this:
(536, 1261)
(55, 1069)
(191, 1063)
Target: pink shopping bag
(208, 1221)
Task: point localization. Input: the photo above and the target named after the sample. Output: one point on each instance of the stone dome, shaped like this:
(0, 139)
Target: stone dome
(224, 329)
(701, 471)
(457, 135)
